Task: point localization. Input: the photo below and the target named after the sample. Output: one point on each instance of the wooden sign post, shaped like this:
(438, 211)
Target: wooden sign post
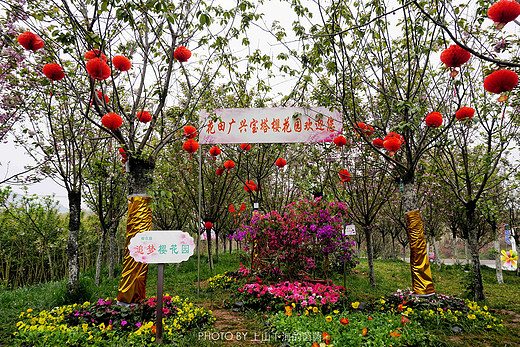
(160, 247)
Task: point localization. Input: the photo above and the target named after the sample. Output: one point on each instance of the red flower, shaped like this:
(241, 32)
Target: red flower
(370, 318)
(326, 337)
(500, 81)
(95, 54)
(455, 56)
(465, 113)
(112, 121)
(190, 131)
(433, 120)
(231, 208)
(245, 146)
(378, 142)
(214, 151)
(404, 320)
(53, 71)
(98, 69)
(344, 176)
(30, 41)
(121, 63)
(340, 141)
(242, 207)
(208, 225)
(144, 116)
(364, 331)
(182, 54)
(344, 321)
(153, 329)
(190, 146)
(504, 12)
(280, 162)
(229, 164)
(219, 171)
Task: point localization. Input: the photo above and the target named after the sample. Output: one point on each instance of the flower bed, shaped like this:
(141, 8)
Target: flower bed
(105, 323)
(275, 297)
(313, 328)
(439, 311)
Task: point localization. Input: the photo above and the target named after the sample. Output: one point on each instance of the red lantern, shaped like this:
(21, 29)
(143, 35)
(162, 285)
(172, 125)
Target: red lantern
(30, 41)
(112, 121)
(245, 146)
(455, 56)
(242, 207)
(250, 187)
(214, 151)
(504, 12)
(501, 81)
(123, 153)
(208, 225)
(433, 120)
(121, 63)
(359, 126)
(378, 142)
(53, 71)
(190, 131)
(231, 208)
(144, 116)
(465, 113)
(95, 54)
(340, 140)
(393, 142)
(98, 69)
(182, 54)
(344, 176)
(229, 164)
(190, 146)
(280, 162)
(219, 171)
(101, 96)
(369, 130)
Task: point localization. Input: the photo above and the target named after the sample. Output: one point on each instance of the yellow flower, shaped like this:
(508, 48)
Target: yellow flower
(335, 312)
(328, 319)
(382, 301)
(288, 313)
(85, 327)
(29, 310)
(488, 326)
(485, 308)
(355, 304)
(306, 312)
(314, 309)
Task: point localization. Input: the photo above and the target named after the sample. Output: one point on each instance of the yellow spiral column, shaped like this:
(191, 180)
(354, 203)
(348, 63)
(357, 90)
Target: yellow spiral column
(420, 266)
(132, 287)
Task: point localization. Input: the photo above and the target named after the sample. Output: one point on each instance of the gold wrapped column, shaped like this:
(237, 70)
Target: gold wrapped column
(132, 287)
(420, 266)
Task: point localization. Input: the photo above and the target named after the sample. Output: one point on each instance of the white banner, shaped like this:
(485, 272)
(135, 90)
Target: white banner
(269, 125)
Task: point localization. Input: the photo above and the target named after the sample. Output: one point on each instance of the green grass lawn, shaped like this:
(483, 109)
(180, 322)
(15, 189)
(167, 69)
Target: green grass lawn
(502, 299)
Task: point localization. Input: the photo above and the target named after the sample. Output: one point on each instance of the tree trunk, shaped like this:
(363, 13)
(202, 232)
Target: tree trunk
(74, 197)
(51, 265)
(112, 248)
(437, 259)
(419, 264)
(210, 255)
(466, 251)
(455, 250)
(216, 245)
(498, 264)
(224, 245)
(132, 287)
(370, 256)
(477, 288)
(99, 257)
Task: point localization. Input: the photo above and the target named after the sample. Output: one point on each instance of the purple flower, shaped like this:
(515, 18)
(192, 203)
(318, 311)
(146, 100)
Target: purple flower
(123, 323)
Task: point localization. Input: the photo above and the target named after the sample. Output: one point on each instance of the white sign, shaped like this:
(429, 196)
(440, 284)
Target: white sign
(269, 125)
(349, 230)
(161, 246)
